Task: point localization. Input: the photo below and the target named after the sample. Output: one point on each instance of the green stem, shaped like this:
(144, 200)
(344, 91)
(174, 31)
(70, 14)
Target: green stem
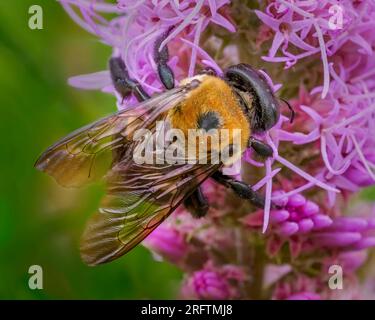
(256, 289)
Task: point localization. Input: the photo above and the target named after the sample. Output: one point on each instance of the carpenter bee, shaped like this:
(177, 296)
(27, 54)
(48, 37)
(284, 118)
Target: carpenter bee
(139, 197)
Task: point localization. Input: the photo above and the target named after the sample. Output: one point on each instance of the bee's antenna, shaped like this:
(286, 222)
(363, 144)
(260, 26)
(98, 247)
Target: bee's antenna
(293, 113)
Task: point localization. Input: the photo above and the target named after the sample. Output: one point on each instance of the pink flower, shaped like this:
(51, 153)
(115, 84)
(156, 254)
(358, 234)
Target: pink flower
(213, 283)
(353, 233)
(143, 22)
(168, 243)
(340, 120)
(304, 296)
(311, 29)
(297, 288)
(350, 261)
(296, 220)
(304, 226)
(206, 285)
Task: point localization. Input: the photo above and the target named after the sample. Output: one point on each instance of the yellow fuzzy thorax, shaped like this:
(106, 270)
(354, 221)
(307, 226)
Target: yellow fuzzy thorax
(212, 95)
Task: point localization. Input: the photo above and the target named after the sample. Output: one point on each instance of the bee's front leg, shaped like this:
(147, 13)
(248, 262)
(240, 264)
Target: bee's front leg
(125, 86)
(242, 189)
(161, 57)
(197, 204)
(261, 148)
(122, 82)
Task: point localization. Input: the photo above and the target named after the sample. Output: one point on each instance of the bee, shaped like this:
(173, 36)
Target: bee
(139, 197)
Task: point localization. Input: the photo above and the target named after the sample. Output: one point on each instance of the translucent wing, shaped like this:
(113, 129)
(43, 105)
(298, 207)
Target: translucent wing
(139, 198)
(86, 153)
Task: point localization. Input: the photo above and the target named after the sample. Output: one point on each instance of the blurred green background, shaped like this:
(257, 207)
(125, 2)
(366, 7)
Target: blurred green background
(40, 222)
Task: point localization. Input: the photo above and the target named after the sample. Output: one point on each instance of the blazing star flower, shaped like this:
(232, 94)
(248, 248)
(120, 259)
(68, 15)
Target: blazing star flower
(212, 283)
(168, 243)
(351, 232)
(321, 55)
(294, 222)
(350, 261)
(301, 288)
(135, 29)
(303, 225)
(341, 119)
(315, 27)
(298, 216)
(304, 296)
(206, 285)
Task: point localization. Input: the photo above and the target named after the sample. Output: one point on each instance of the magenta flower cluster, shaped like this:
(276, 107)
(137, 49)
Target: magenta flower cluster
(322, 55)
(340, 118)
(139, 24)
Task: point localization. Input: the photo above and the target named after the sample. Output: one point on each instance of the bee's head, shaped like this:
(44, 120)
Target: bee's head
(255, 95)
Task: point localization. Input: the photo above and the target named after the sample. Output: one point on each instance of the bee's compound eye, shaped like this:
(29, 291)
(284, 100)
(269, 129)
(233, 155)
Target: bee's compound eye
(266, 108)
(271, 114)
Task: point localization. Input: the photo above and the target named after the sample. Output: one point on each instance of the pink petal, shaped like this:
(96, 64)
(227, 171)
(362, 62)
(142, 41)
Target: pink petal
(296, 200)
(287, 228)
(221, 21)
(279, 216)
(348, 224)
(266, 19)
(92, 81)
(336, 239)
(278, 39)
(367, 242)
(310, 208)
(321, 221)
(305, 225)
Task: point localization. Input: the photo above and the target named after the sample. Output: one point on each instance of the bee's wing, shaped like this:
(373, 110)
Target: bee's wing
(86, 153)
(139, 198)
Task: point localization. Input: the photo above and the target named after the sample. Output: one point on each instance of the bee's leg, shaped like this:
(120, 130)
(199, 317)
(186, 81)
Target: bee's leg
(261, 148)
(124, 85)
(242, 189)
(161, 57)
(197, 203)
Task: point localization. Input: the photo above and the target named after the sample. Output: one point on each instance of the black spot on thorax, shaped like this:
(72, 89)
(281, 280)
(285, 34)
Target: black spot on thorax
(209, 120)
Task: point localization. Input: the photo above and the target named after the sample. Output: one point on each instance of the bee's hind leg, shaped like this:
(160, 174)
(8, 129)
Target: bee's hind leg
(161, 57)
(122, 82)
(197, 204)
(240, 188)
